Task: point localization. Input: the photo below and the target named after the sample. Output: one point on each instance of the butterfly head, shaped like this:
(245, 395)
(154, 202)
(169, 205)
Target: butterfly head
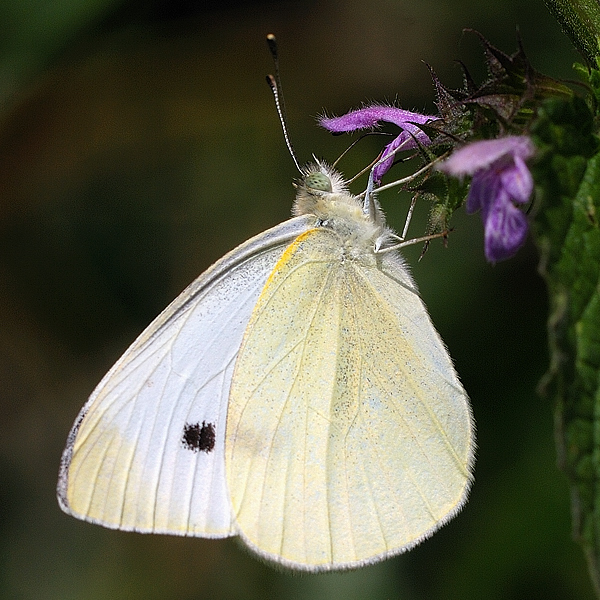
(319, 187)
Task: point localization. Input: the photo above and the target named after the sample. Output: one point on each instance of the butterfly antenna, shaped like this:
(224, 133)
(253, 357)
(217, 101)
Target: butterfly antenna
(275, 85)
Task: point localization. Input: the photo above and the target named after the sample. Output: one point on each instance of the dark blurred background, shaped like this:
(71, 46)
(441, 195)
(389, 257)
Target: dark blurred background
(139, 143)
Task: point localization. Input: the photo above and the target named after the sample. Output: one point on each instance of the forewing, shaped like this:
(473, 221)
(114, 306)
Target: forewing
(349, 436)
(146, 452)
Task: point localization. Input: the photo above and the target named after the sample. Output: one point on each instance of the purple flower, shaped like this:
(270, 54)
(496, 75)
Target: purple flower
(501, 179)
(369, 116)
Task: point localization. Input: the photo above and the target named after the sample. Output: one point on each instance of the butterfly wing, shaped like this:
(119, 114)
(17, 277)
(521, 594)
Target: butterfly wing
(146, 453)
(349, 437)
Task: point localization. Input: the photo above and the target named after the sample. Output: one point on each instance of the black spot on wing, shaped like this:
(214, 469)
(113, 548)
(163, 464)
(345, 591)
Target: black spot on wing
(199, 438)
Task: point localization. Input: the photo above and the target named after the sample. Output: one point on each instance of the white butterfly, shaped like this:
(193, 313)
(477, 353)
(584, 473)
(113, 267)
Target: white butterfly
(296, 395)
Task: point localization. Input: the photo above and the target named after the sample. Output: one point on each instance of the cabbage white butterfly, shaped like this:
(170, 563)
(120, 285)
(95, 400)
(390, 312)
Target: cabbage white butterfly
(295, 395)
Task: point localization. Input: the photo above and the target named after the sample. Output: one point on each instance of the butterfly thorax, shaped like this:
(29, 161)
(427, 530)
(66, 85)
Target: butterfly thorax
(322, 192)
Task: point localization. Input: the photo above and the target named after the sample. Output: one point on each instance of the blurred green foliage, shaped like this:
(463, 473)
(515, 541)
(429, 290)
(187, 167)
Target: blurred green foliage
(33, 33)
(568, 177)
(580, 20)
(138, 143)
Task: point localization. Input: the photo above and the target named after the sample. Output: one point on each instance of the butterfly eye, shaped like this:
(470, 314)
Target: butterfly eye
(318, 181)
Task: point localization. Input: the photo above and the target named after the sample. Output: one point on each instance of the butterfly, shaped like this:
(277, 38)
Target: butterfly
(295, 395)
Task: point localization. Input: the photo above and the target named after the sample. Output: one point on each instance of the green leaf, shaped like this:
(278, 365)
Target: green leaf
(567, 229)
(580, 20)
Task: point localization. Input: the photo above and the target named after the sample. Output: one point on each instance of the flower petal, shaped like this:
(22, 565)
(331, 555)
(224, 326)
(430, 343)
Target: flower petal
(505, 229)
(369, 116)
(480, 155)
(484, 190)
(406, 141)
(517, 181)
